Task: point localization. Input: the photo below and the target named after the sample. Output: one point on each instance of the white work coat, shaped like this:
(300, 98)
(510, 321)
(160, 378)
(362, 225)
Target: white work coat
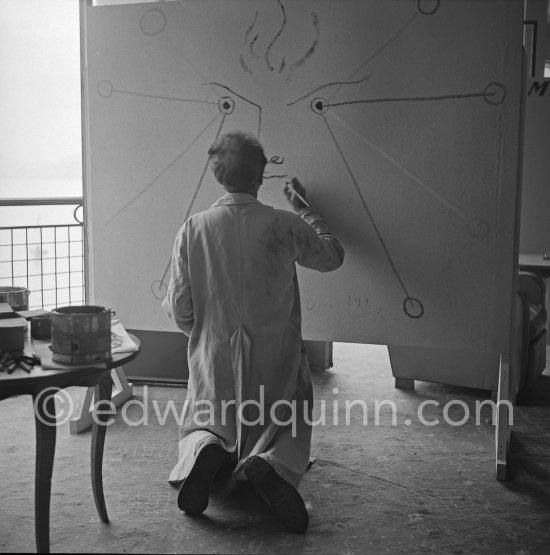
(234, 292)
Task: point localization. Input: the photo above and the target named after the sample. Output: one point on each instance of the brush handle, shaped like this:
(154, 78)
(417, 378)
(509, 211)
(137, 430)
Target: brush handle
(297, 193)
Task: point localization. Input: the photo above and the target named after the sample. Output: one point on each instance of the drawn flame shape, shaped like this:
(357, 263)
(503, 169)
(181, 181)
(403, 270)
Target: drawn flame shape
(251, 57)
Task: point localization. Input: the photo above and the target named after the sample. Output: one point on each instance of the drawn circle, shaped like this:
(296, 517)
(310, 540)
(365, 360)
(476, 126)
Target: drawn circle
(426, 10)
(413, 308)
(494, 93)
(153, 22)
(478, 228)
(105, 89)
(319, 105)
(226, 105)
(159, 289)
(78, 214)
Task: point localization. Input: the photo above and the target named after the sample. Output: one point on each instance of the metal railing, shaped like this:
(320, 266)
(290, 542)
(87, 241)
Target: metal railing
(47, 259)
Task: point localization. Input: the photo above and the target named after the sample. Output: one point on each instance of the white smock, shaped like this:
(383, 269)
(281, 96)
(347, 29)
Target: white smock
(234, 292)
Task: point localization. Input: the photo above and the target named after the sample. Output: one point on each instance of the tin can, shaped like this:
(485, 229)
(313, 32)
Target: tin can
(16, 297)
(41, 327)
(81, 334)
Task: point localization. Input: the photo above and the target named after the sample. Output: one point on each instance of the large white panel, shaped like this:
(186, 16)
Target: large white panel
(401, 118)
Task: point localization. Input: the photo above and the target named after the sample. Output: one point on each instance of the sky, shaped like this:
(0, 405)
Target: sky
(40, 135)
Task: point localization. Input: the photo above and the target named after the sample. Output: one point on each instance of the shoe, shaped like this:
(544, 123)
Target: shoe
(281, 496)
(194, 492)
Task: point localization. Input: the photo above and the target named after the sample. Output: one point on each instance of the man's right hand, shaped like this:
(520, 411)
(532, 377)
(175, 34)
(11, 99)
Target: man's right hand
(290, 190)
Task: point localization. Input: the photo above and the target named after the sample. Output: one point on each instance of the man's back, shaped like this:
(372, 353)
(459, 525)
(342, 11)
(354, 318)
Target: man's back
(234, 291)
(241, 257)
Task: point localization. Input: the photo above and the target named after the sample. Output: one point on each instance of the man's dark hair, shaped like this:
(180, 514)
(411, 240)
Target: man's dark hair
(238, 161)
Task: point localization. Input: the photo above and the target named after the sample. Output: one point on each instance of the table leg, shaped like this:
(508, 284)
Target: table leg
(102, 393)
(44, 417)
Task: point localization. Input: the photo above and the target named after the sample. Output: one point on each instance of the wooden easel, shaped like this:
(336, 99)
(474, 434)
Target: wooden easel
(502, 423)
(122, 392)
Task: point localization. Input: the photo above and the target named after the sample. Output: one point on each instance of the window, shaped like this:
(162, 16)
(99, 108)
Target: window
(40, 135)
(41, 244)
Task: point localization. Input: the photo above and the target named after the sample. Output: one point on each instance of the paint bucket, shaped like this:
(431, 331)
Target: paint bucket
(41, 327)
(16, 297)
(81, 334)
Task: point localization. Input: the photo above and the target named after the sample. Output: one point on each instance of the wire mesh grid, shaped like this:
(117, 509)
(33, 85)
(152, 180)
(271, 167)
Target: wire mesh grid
(48, 260)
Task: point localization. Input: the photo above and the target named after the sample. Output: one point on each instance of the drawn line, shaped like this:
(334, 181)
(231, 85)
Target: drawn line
(276, 37)
(379, 50)
(243, 64)
(194, 197)
(412, 99)
(249, 30)
(159, 97)
(321, 87)
(243, 98)
(310, 51)
(178, 157)
(403, 169)
(366, 208)
(251, 47)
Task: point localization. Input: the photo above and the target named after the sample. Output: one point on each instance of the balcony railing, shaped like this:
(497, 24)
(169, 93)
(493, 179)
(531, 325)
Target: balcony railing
(48, 258)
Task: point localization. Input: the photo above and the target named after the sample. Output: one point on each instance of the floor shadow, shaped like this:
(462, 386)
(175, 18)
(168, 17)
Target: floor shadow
(451, 390)
(529, 462)
(538, 394)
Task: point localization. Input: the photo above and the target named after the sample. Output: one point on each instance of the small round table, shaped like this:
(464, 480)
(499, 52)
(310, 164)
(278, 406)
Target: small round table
(39, 383)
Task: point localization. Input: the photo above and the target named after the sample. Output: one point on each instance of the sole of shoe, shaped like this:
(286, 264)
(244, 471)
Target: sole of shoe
(282, 497)
(194, 492)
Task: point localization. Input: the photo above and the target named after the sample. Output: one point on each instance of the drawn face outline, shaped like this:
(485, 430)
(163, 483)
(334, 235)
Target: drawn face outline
(494, 93)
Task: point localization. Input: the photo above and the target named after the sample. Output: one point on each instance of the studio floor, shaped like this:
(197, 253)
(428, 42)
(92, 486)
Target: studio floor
(382, 487)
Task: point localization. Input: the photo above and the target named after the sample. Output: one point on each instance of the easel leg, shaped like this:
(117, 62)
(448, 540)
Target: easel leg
(319, 354)
(99, 429)
(404, 383)
(502, 430)
(82, 420)
(44, 416)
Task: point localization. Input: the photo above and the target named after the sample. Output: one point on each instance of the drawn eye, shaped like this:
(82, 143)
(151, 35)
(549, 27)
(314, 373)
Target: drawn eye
(319, 105)
(226, 105)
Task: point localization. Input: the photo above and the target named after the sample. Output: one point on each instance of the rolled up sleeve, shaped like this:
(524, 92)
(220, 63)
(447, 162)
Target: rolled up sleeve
(316, 247)
(178, 302)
